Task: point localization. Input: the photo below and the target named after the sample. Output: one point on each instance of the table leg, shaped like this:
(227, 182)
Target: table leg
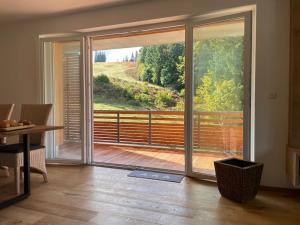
(26, 147)
(26, 194)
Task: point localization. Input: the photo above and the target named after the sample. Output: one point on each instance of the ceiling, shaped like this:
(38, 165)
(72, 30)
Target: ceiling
(17, 10)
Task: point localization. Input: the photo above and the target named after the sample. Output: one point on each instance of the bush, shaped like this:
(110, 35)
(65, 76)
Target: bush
(135, 94)
(126, 90)
(182, 93)
(218, 95)
(164, 99)
(144, 88)
(101, 79)
(143, 98)
(179, 105)
(133, 103)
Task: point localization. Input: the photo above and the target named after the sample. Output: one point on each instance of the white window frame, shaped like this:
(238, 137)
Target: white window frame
(248, 125)
(66, 38)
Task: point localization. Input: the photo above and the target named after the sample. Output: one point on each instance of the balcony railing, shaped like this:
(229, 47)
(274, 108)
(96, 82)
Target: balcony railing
(216, 131)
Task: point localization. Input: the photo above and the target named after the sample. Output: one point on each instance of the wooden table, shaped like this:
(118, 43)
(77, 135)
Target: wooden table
(25, 133)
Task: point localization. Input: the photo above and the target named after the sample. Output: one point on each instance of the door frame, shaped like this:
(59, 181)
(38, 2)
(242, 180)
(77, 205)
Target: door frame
(83, 124)
(189, 23)
(248, 139)
(120, 32)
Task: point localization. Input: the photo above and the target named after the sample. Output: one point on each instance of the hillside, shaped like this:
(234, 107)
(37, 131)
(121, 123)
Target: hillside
(124, 70)
(117, 87)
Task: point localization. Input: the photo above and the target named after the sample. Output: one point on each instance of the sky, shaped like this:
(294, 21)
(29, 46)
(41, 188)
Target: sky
(117, 55)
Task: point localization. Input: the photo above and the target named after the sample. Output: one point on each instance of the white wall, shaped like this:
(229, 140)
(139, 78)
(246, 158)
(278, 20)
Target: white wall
(19, 78)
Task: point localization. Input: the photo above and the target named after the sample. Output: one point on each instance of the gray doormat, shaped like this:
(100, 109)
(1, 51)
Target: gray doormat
(156, 176)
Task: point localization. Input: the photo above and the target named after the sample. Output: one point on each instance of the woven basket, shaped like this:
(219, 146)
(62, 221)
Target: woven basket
(237, 179)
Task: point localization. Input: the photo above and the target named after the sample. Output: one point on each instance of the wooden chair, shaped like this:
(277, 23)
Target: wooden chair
(12, 155)
(5, 114)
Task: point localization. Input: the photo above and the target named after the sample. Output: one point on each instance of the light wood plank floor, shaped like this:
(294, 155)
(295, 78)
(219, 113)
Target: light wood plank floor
(101, 196)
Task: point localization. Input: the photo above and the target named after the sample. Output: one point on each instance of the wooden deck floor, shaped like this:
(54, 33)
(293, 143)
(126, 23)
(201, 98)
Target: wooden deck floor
(159, 158)
(87, 195)
(144, 156)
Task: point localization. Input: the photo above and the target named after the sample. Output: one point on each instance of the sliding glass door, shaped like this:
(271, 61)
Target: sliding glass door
(220, 92)
(63, 79)
(138, 99)
(171, 98)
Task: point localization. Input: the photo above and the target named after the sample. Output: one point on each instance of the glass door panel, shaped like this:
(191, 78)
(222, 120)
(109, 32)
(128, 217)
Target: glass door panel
(63, 85)
(138, 90)
(218, 93)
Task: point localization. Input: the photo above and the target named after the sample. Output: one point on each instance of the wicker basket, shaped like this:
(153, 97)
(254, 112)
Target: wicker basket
(237, 179)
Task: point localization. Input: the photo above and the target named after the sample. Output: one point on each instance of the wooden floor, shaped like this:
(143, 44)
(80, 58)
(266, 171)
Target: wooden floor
(102, 196)
(143, 156)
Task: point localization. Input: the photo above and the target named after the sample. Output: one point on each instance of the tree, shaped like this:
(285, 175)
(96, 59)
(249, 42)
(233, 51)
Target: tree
(100, 56)
(218, 95)
(217, 71)
(222, 57)
(159, 64)
(218, 74)
(181, 70)
(132, 59)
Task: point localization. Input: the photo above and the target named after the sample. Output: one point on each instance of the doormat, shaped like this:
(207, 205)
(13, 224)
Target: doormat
(156, 176)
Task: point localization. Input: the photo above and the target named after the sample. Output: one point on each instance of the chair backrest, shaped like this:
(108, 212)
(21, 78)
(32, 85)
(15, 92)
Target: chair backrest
(38, 114)
(5, 114)
(6, 111)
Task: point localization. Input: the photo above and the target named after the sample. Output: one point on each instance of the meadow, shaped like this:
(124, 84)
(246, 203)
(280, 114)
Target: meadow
(117, 87)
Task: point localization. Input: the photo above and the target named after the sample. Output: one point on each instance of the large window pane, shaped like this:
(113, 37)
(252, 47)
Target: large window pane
(139, 99)
(62, 62)
(218, 98)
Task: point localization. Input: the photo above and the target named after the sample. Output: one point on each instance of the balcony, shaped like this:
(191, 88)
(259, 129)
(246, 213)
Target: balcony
(156, 138)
